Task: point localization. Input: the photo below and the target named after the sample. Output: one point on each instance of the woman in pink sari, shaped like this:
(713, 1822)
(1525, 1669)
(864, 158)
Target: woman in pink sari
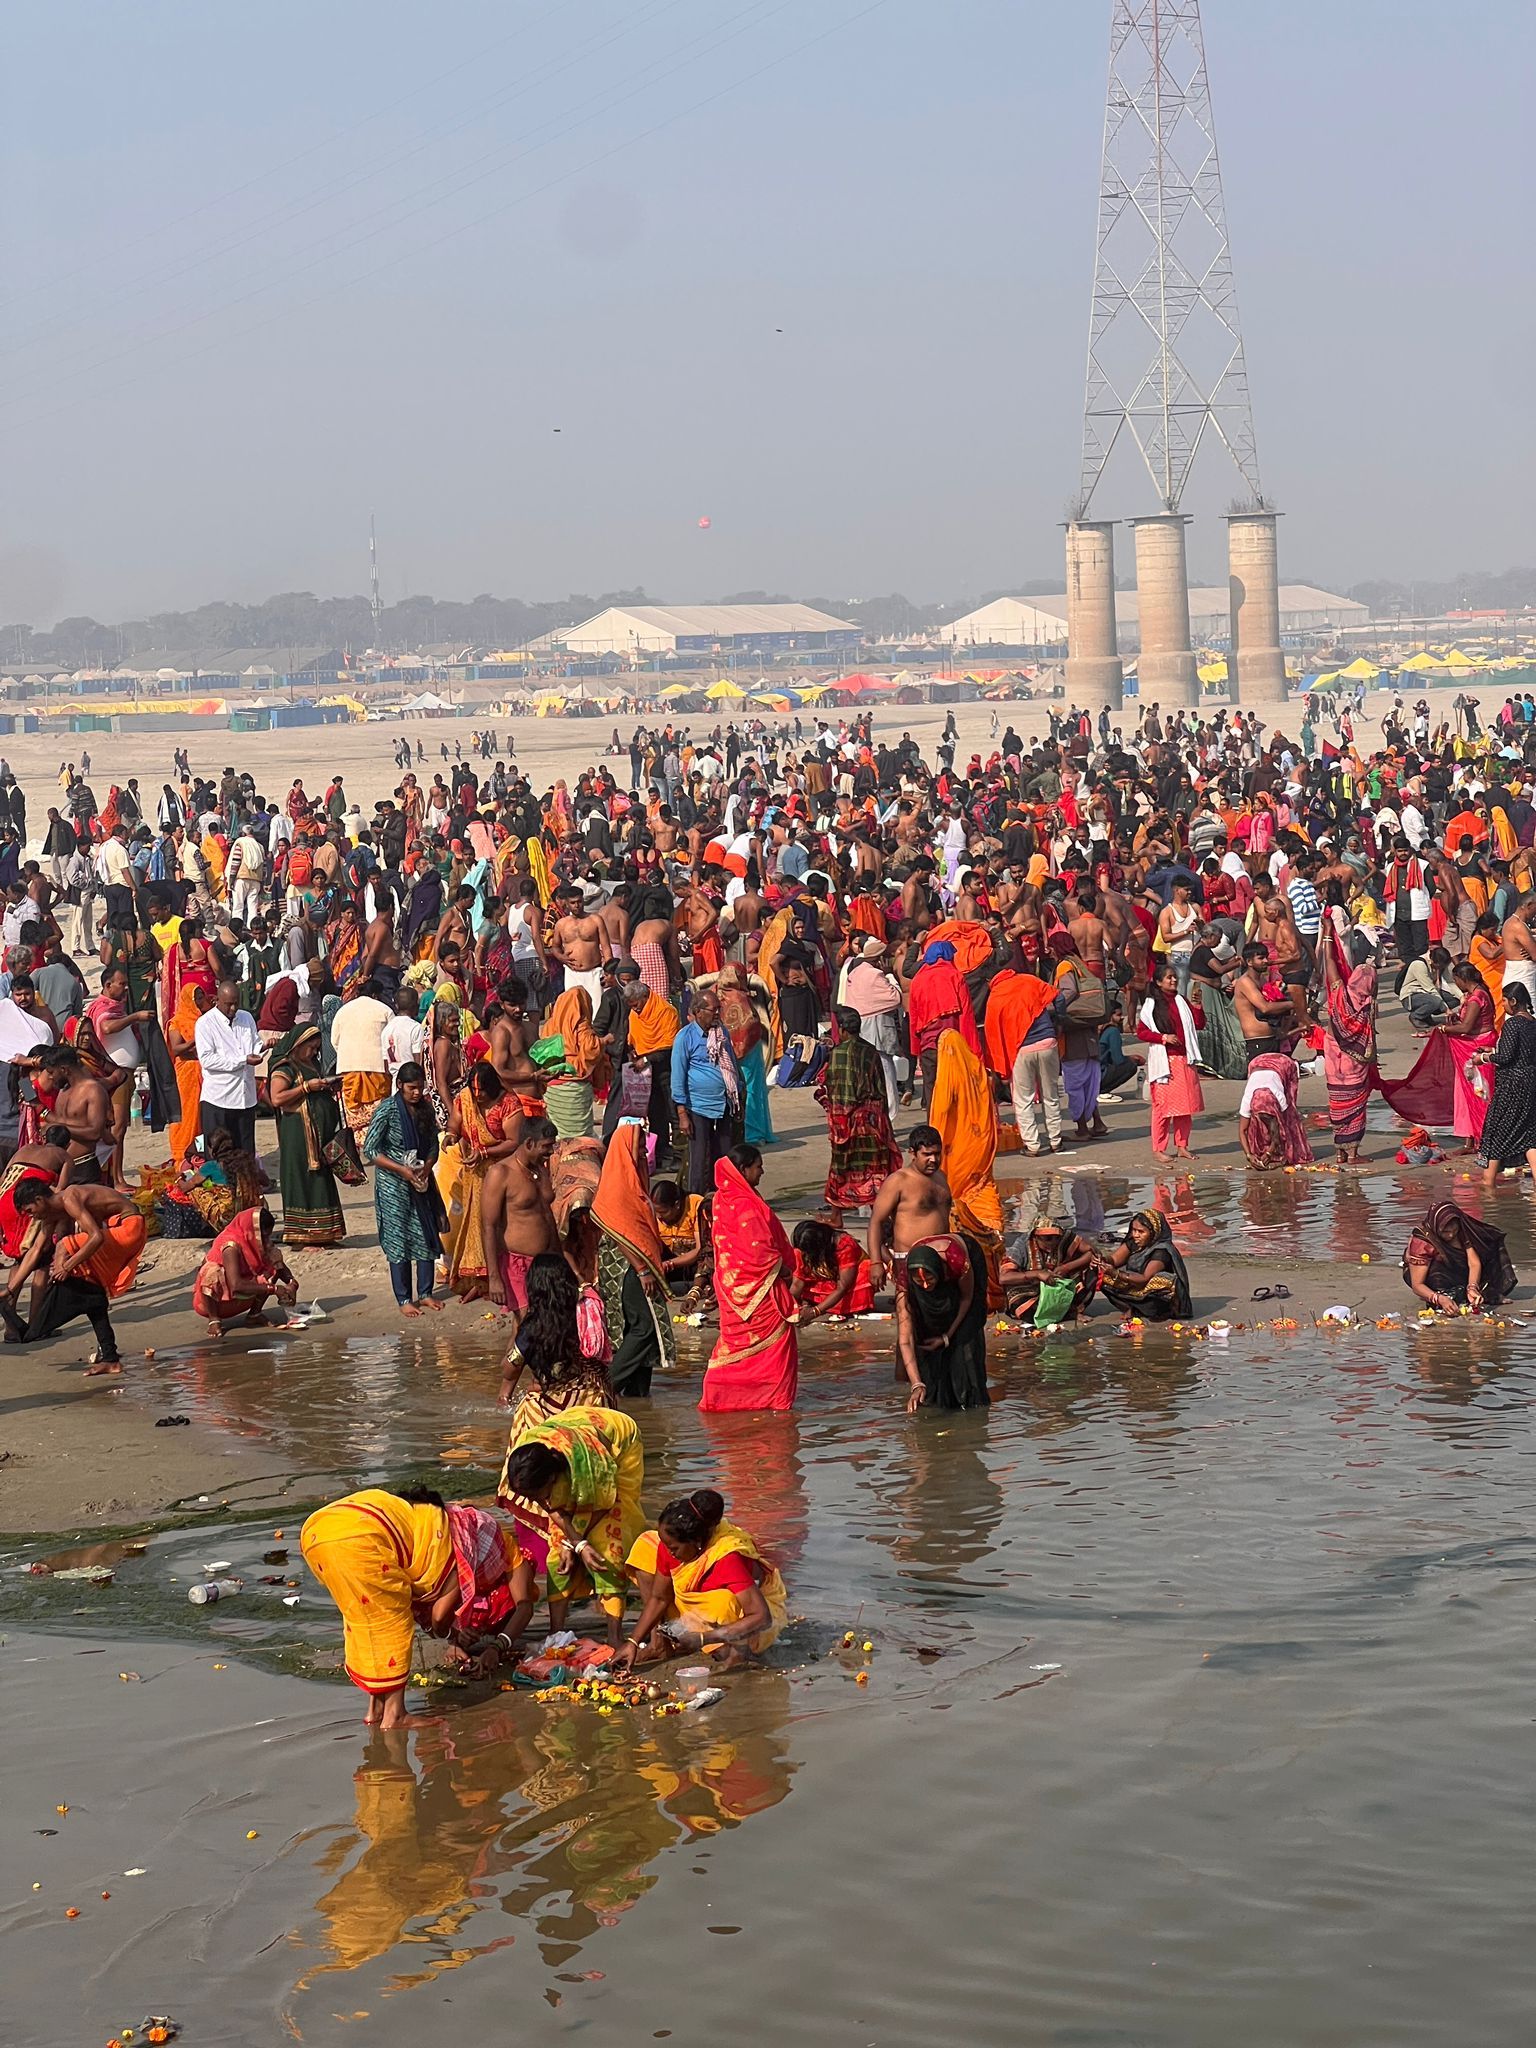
(1470, 1038)
(756, 1362)
(1349, 1039)
(1268, 1121)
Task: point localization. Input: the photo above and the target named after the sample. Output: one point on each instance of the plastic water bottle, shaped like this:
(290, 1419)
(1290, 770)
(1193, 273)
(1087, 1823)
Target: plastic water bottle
(209, 1590)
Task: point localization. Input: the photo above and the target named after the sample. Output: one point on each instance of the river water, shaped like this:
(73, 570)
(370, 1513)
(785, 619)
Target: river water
(1199, 1710)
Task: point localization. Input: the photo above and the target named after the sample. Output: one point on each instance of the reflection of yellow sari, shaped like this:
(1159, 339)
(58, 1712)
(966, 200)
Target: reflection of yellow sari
(715, 1607)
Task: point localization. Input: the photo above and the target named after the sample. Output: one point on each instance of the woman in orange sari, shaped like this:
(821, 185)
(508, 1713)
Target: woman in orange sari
(195, 998)
(475, 1126)
(964, 1113)
(756, 1362)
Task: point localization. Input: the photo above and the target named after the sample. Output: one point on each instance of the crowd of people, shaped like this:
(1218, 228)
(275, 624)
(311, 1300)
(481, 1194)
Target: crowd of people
(551, 1028)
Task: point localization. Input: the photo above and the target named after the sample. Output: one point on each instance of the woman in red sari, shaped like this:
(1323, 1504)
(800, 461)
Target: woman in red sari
(756, 1362)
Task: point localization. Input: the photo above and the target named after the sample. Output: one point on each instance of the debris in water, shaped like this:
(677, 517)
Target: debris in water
(274, 1557)
(90, 1574)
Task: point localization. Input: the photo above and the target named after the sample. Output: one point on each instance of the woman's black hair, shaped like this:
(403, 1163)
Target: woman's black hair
(665, 1193)
(532, 1469)
(485, 1084)
(421, 1497)
(409, 1070)
(818, 1242)
(848, 1019)
(547, 1333)
(694, 1518)
(1517, 996)
(743, 1156)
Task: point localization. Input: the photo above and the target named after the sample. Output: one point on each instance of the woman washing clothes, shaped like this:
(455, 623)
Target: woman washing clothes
(1454, 1259)
(941, 1342)
(704, 1585)
(1145, 1274)
(831, 1281)
(396, 1562)
(1052, 1256)
(572, 1484)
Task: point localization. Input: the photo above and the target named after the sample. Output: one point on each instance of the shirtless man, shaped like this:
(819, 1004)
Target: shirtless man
(62, 1290)
(656, 935)
(579, 942)
(613, 915)
(1520, 948)
(517, 1218)
(1259, 1016)
(83, 1107)
(510, 1035)
(381, 956)
(1274, 924)
(1087, 928)
(913, 1203)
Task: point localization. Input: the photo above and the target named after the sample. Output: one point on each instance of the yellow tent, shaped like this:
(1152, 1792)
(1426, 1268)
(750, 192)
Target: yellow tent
(1360, 670)
(550, 706)
(357, 708)
(1456, 659)
(725, 688)
(812, 693)
(1423, 660)
(1213, 672)
(678, 690)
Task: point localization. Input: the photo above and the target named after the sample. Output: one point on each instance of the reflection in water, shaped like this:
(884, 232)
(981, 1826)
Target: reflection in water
(552, 1816)
(1335, 1594)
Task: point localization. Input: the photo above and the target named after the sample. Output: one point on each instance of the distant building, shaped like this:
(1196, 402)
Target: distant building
(1041, 622)
(650, 629)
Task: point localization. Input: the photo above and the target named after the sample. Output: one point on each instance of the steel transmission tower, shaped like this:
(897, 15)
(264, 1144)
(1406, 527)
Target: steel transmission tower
(1165, 351)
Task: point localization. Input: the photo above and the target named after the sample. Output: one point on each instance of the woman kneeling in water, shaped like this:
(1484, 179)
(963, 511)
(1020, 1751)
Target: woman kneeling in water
(704, 1583)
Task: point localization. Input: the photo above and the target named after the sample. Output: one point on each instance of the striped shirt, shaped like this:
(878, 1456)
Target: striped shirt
(1305, 907)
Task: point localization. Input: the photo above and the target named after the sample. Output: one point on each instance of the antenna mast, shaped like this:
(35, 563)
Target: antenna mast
(373, 576)
(1165, 350)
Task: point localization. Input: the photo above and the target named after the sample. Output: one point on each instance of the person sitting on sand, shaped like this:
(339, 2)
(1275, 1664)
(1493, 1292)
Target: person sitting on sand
(705, 1586)
(396, 1562)
(241, 1270)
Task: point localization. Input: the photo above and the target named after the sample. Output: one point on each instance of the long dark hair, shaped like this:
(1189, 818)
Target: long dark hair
(1164, 1015)
(547, 1333)
(817, 1243)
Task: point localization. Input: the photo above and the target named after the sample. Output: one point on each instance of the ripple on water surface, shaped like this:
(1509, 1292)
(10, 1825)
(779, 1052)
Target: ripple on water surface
(1276, 1787)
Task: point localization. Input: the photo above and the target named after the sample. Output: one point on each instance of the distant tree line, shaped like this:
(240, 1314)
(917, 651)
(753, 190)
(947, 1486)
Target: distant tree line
(300, 619)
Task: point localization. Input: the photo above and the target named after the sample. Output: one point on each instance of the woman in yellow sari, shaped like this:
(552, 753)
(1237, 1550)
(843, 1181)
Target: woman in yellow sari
(394, 1562)
(705, 1584)
(572, 1484)
(964, 1113)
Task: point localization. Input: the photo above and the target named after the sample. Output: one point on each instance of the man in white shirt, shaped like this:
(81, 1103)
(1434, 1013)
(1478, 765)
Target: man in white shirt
(229, 1052)
(1415, 828)
(357, 1035)
(114, 871)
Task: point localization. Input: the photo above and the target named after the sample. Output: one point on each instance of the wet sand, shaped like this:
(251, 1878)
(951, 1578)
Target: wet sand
(1274, 1791)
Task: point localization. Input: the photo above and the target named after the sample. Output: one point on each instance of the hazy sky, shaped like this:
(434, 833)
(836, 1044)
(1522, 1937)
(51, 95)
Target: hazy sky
(268, 268)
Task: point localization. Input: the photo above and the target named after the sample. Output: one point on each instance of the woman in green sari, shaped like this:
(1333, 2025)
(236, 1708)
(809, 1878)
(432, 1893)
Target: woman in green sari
(401, 1147)
(309, 1135)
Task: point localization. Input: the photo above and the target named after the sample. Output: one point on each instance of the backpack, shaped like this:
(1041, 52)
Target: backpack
(1091, 1003)
(301, 868)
